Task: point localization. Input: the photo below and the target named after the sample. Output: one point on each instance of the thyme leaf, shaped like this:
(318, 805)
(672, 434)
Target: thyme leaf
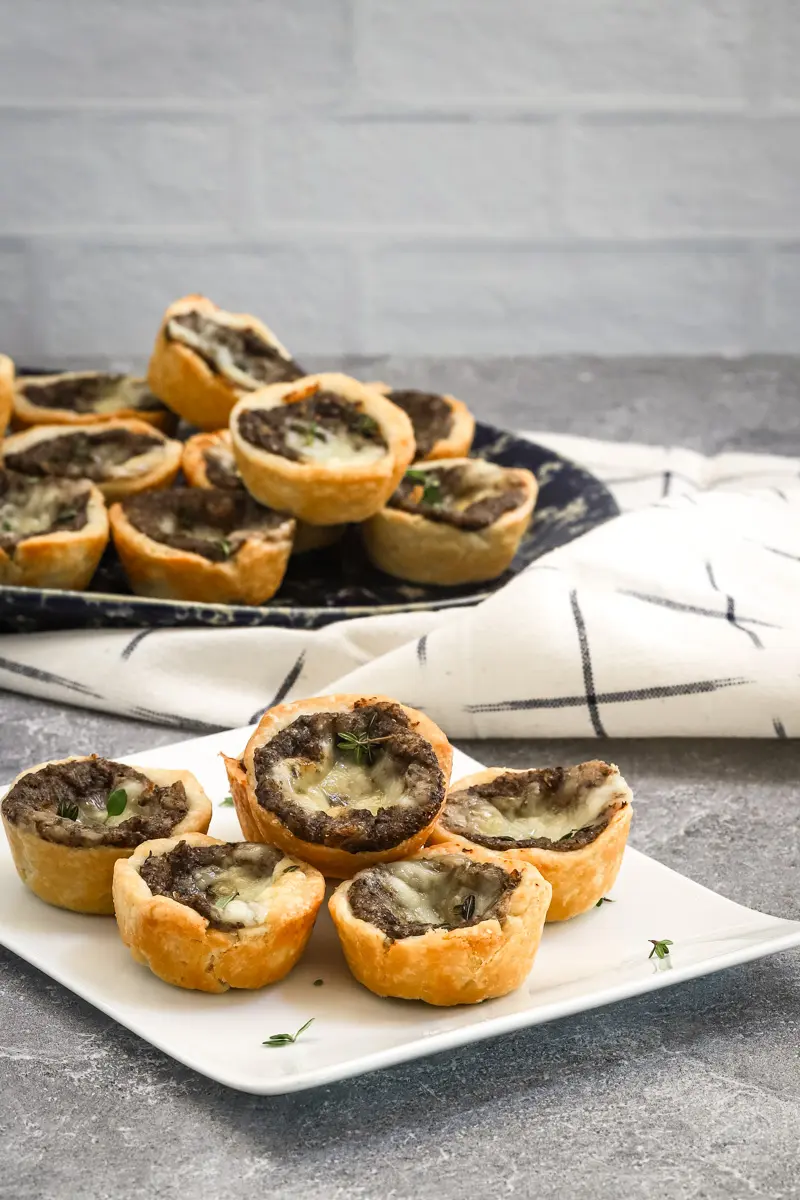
(68, 810)
(225, 547)
(660, 947)
(116, 802)
(290, 869)
(360, 745)
(566, 836)
(467, 907)
(431, 486)
(603, 900)
(224, 901)
(285, 1039)
(318, 982)
(313, 432)
(226, 803)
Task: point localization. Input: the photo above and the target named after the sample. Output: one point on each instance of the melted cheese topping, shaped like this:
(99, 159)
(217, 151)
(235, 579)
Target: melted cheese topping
(253, 895)
(219, 354)
(127, 393)
(337, 782)
(433, 897)
(534, 817)
(327, 445)
(139, 464)
(35, 512)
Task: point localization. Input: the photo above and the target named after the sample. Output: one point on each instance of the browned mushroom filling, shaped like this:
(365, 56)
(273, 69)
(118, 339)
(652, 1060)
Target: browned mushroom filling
(243, 356)
(360, 780)
(450, 891)
(89, 392)
(210, 522)
(32, 507)
(232, 885)
(431, 416)
(94, 802)
(80, 455)
(469, 496)
(557, 808)
(323, 427)
(221, 470)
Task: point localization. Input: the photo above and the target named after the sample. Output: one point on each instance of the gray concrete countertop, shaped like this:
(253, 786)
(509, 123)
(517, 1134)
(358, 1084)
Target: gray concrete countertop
(689, 1092)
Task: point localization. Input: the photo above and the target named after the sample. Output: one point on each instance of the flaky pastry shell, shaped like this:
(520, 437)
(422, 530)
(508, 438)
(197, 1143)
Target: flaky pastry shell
(579, 878)
(182, 948)
(325, 493)
(6, 391)
(27, 414)
(63, 559)
(184, 381)
(458, 441)
(251, 575)
(260, 825)
(163, 463)
(412, 547)
(449, 966)
(79, 878)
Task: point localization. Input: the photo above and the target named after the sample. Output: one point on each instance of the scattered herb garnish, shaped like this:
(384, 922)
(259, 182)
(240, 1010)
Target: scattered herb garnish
(67, 809)
(225, 547)
(360, 745)
(116, 802)
(313, 432)
(431, 487)
(467, 907)
(566, 836)
(285, 1039)
(367, 424)
(289, 870)
(318, 982)
(224, 901)
(226, 803)
(603, 900)
(67, 514)
(660, 947)
(6, 527)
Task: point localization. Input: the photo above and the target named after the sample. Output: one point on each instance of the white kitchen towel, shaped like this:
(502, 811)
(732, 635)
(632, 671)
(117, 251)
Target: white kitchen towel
(680, 617)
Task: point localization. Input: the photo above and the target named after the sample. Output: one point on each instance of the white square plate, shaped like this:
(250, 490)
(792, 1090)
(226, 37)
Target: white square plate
(581, 964)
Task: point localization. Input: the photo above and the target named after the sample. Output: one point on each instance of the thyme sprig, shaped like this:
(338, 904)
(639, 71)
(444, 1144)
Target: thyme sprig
(431, 486)
(660, 947)
(223, 901)
(466, 908)
(285, 1039)
(68, 810)
(603, 900)
(360, 745)
(313, 432)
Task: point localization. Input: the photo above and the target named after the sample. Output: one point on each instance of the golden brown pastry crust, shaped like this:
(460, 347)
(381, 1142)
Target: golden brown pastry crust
(306, 537)
(27, 414)
(449, 966)
(259, 825)
(79, 877)
(325, 493)
(458, 441)
(66, 559)
(578, 877)
(250, 576)
(6, 391)
(183, 381)
(180, 946)
(161, 474)
(409, 546)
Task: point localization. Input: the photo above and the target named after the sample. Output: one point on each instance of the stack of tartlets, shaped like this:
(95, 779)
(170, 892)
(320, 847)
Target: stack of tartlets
(441, 893)
(285, 461)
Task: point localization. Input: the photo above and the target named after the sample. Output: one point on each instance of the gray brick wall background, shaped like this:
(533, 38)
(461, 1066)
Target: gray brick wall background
(402, 176)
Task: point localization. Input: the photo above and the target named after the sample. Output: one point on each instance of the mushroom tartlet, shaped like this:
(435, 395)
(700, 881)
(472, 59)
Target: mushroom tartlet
(205, 357)
(86, 397)
(443, 426)
(450, 522)
(122, 457)
(68, 822)
(6, 391)
(571, 822)
(197, 544)
(327, 449)
(342, 781)
(448, 926)
(208, 462)
(52, 531)
(214, 915)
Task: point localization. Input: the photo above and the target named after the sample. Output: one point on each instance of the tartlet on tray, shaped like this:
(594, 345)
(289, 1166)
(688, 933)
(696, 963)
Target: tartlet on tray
(52, 531)
(122, 457)
(208, 461)
(212, 915)
(325, 448)
(571, 823)
(448, 925)
(69, 821)
(443, 426)
(342, 781)
(451, 522)
(6, 391)
(205, 357)
(84, 398)
(211, 545)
